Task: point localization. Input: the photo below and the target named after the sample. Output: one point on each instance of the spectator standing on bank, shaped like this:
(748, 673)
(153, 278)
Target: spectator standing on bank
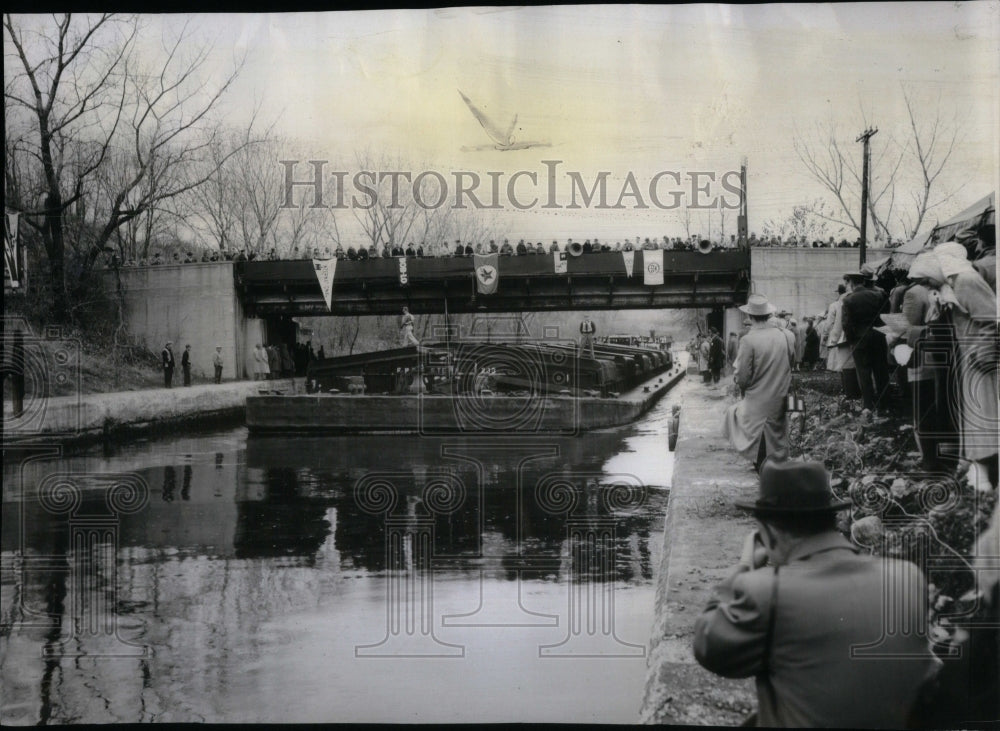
(861, 313)
(732, 347)
(217, 363)
(186, 364)
(802, 605)
(287, 364)
(973, 316)
(261, 368)
(704, 351)
(810, 351)
(822, 325)
(716, 355)
(930, 379)
(168, 364)
(273, 362)
(839, 356)
(587, 330)
(756, 426)
(800, 342)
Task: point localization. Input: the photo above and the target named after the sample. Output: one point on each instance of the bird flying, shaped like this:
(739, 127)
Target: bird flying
(504, 138)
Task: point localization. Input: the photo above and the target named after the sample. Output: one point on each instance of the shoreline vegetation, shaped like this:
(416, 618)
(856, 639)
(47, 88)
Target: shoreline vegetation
(898, 509)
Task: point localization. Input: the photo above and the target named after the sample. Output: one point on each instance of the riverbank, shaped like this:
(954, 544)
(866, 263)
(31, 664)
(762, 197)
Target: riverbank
(873, 461)
(90, 418)
(703, 535)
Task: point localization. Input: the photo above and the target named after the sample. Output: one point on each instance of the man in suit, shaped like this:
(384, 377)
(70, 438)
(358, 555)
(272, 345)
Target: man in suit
(186, 365)
(217, 363)
(861, 314)
(806, 613)
(167, 356)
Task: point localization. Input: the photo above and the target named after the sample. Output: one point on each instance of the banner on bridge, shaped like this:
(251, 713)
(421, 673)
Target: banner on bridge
(487, 272)
(325, 269)
(629, 258)
(652, 267)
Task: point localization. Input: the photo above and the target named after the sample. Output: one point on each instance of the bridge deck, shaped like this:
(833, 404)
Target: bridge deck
(526, 283)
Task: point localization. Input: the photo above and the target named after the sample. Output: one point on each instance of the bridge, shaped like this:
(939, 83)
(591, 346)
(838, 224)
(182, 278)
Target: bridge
(238, 304)
(592, 281)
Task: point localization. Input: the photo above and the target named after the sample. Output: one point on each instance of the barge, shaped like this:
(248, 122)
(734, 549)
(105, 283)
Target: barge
(472, 386)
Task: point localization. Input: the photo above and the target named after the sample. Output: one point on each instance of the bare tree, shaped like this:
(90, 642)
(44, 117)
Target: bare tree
(804, 223)
(933, 143)
(906, 162)
(90, 98)
(240, 205)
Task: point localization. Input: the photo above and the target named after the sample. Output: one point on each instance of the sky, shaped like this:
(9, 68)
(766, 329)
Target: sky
(621, 89)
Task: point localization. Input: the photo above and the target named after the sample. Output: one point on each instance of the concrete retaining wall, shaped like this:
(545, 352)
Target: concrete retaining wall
(93, 416)
(704, 534)
(187, 303)
(803, 281)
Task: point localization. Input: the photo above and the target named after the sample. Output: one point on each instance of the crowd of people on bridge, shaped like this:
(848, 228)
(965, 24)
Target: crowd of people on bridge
(421, 250)
(361, 252)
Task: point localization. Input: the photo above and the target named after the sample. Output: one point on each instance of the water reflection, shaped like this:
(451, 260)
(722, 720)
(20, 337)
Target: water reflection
(269, 539)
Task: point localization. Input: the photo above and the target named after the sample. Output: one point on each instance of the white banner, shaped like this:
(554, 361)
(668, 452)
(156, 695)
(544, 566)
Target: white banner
(325, 269)
(629, 258)
(652, 266)
(559, 257)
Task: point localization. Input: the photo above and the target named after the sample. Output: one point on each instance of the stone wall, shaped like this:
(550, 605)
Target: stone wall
(803, 281)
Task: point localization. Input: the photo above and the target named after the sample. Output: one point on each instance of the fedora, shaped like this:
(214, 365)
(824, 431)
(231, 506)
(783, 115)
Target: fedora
(794, 487)
(757, 304)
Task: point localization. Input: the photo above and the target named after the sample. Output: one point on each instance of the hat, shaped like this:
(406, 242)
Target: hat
(952, 248)
(951, 265)
(757, 304)
(794, 487)
(927, 266)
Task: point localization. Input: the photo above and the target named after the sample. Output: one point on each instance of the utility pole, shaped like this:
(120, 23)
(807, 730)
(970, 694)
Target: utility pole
(865, 137)
(741, 218)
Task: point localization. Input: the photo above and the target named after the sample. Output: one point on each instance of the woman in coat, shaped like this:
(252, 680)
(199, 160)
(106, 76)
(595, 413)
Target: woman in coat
(703, 353)
(973, 316)
(756, 426)
(261, 368)
(930, 377)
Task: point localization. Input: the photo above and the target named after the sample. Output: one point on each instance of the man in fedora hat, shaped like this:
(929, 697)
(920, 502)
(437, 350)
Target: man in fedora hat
(806, 613)
(756, 426)
(861, 314)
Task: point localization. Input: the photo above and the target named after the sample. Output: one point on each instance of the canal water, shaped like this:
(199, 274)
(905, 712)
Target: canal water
(231, 578)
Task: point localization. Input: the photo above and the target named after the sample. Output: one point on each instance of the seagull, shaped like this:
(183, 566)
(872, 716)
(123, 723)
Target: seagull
(504, 139)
